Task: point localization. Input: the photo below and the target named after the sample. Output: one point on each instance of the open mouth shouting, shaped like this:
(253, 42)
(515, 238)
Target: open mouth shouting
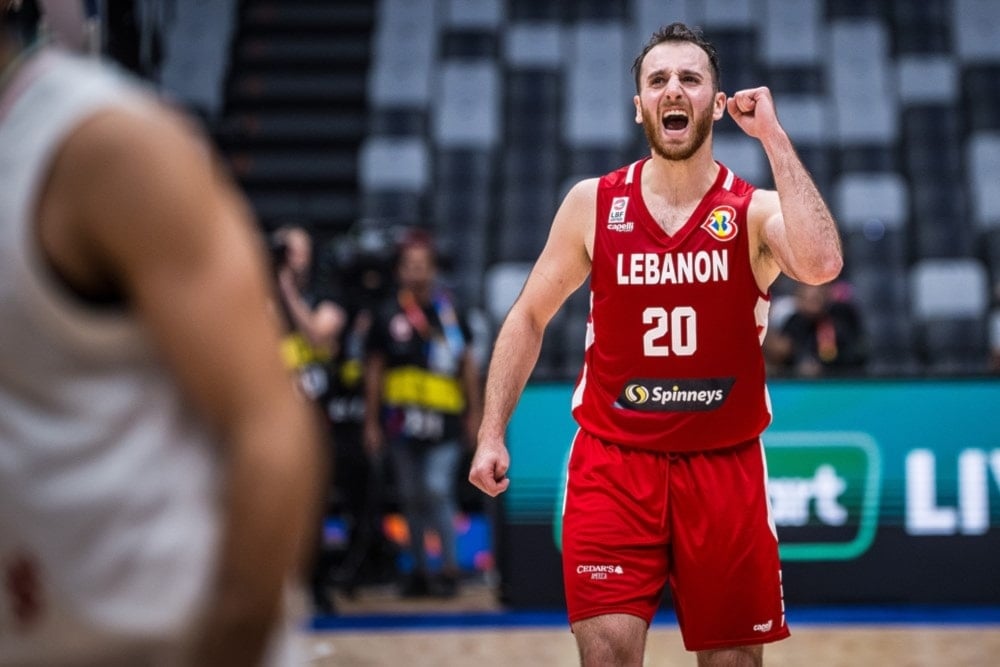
(676, 134)
(674, 120)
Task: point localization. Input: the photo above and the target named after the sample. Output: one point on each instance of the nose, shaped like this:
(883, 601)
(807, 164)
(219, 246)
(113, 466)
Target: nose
(673, 87)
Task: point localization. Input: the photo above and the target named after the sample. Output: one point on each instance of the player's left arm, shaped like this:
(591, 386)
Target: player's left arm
(793, 228)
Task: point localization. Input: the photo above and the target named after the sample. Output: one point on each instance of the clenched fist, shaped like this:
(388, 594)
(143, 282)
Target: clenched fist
(753, 110)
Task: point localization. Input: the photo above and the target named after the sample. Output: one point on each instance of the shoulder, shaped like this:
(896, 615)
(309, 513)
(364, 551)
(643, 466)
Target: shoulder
(622, 176)
(140, 156)
(735, 184)
(580, 203)
(764, 204)
(586, 189)
(583, 191)
(140, 137)
(574, 222)
(133, 182)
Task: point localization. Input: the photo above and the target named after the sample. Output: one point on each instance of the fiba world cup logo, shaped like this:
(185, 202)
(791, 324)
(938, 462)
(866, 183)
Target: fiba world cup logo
(721, 223)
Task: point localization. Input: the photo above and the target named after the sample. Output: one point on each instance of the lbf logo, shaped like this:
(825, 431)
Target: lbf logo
(617, 213)
(721, 223)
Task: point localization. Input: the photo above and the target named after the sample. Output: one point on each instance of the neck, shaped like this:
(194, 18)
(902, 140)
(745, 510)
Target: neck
(682, 181)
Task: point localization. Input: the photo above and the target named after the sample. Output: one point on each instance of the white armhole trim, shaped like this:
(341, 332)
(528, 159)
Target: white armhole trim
(728, 183)
(631, 172)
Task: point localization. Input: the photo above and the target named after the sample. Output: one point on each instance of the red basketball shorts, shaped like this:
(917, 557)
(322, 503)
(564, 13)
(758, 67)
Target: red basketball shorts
(635, 520)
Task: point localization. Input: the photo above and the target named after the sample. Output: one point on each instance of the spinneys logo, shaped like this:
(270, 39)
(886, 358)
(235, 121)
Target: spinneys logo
(824, 492)
(636, 394)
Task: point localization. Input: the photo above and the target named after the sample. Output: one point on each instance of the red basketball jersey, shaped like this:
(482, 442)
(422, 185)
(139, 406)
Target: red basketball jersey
(673, 359)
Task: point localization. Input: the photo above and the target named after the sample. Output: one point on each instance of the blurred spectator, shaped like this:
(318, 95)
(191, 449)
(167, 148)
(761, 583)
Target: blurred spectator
(823, 335)
(421, 380)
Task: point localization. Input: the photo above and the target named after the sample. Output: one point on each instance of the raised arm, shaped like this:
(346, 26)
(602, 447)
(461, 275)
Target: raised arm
(320, 324)
(143, 210)
(793, 227)
(561, 268)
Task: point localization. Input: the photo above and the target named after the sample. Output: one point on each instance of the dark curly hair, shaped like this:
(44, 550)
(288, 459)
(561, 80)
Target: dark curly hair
(679, 32)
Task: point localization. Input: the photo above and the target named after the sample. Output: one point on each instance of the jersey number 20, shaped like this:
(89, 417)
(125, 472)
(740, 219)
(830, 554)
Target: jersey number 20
(678, 325)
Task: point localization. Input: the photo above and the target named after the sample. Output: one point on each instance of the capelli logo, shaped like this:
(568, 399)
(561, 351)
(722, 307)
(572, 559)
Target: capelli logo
(636, 394)
(764, 627)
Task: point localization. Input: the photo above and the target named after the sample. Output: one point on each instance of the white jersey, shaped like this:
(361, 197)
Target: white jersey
(109, 484)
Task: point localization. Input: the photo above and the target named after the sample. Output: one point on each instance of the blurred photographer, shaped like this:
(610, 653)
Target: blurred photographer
(314, 331)
(314, 323)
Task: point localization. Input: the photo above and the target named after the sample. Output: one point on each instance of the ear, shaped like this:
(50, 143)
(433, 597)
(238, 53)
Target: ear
(638, 109)
(719, 105)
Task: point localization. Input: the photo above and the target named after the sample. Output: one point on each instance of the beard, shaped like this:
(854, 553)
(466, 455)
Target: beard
(700, 131)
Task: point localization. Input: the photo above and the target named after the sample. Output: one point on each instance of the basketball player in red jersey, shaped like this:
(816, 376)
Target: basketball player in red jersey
(666, 480)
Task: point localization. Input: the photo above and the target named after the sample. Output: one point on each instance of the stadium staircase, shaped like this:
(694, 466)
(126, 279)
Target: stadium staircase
(295, 109)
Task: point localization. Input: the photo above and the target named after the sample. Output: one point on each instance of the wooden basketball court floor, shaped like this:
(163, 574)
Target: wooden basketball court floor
(378, 629)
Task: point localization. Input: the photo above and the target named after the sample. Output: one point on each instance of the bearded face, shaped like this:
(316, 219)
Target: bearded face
(693, 127)
(677, 103)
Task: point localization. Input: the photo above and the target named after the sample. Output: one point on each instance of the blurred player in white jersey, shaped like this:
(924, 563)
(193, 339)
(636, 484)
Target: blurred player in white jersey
(157, 468)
